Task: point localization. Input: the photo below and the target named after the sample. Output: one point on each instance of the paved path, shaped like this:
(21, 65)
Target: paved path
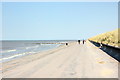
(74, 61)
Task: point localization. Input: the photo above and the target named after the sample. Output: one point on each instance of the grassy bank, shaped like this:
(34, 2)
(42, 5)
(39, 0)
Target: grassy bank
(110, 38)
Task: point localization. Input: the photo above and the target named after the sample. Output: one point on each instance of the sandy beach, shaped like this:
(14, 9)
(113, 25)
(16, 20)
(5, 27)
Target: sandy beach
(72, 61)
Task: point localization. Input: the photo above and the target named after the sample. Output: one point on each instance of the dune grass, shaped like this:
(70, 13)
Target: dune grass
(110, 38)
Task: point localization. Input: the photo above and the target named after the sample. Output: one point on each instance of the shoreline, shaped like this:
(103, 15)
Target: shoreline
(6, 66)
(16, 56)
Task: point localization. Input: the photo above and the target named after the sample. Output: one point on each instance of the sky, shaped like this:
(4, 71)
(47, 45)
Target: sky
(0, 21)
(57, 20)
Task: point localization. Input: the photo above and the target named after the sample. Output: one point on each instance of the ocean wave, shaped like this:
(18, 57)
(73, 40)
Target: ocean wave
(32, 47)
(6, 51)
(14, 56)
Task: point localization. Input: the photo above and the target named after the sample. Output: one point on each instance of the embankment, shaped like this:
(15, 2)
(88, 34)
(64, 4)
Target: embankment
(110, 50)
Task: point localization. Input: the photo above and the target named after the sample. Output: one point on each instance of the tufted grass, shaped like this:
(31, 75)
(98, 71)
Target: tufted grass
(110, 38)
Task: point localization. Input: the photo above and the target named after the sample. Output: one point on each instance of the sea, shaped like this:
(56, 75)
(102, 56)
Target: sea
(12, 49)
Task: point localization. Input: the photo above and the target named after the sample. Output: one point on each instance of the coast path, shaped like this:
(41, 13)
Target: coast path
(73, 61)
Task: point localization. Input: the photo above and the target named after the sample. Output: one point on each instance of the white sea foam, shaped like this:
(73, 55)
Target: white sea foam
(8, 51)
(32, 47)
(14, 56)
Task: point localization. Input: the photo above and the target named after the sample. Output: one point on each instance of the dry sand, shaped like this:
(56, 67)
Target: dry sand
(73, 61)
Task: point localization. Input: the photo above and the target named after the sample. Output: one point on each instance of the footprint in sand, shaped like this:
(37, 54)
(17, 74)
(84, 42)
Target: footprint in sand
(101, 62)
(72, 73)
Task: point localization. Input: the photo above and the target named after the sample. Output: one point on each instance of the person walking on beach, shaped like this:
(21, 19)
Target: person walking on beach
(79, 41)
(66, 44)
(83, 41)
